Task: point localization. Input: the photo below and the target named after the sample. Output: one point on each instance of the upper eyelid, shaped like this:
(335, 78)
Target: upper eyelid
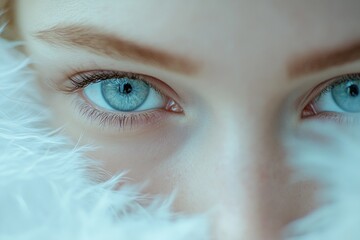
(78, 75)
(83, 79)
(331, 83)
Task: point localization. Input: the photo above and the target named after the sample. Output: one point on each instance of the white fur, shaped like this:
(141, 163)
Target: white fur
(46, 191)
(329, 155)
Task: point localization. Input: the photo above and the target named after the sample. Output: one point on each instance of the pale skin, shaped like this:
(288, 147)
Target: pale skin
(237, 79)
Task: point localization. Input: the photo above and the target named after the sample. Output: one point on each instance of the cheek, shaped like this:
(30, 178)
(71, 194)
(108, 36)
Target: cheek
(145, 155)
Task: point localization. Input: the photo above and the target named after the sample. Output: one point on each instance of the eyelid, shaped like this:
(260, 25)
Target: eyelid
(81, 79)
(132, 121)
(123, 122)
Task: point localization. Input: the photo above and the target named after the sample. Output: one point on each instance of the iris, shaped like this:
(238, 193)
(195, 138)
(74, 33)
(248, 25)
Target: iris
(124, 94)
(347, 95)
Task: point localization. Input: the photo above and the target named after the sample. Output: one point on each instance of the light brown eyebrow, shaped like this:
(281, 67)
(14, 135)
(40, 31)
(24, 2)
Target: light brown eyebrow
(98, 42)
(323, 59)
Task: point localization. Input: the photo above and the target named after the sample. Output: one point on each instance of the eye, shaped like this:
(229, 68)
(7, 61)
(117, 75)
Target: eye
(122, 99)
(124, 94)
(338, 97)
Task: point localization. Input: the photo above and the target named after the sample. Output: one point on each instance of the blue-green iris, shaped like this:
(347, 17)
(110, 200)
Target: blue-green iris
(125, 94)
(347, 95)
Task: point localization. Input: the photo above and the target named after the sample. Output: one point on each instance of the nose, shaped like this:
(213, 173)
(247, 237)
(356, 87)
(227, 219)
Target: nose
(247, 181)
(252, 178)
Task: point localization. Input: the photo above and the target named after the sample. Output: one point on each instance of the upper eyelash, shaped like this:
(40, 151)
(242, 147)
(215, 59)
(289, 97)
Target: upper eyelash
(78, 80)
(336, 82)
(81, 80)
(120, 120)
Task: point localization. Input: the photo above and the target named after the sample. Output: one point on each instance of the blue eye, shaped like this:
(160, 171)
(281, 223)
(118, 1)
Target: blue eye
(122, 100)
(347, 96)
(124, 94)
(342, 96)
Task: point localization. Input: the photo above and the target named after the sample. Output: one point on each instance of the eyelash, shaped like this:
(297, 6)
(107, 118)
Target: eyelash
(81, 80)
(334, 82)
(120, 120)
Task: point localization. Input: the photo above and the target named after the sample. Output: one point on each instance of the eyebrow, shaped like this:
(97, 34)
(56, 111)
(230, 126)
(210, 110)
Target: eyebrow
(98, 42)
(323, 59)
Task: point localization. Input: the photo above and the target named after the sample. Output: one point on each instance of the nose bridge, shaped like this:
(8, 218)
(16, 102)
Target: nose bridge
(240, 140)
(251, 173)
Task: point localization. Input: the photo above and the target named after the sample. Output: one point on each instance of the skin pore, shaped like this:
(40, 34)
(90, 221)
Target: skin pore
(234, 68)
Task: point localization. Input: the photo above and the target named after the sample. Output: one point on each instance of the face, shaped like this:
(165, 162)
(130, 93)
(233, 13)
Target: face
(193, 96)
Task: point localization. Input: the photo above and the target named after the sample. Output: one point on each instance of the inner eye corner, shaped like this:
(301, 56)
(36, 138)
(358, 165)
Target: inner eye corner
(304, 103)
(308, 111)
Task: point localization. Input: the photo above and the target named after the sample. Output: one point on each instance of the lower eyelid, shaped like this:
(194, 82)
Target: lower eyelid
(336, 117)
(124, 122)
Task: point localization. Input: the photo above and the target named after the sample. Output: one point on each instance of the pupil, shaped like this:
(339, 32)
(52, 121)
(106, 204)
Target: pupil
(353, 90)
(126, 88)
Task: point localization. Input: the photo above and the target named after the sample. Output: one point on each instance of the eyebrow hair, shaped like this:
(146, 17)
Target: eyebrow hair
(323, 59)
(96, 41)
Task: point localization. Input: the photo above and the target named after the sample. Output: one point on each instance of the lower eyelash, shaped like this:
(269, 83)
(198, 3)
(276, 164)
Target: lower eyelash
(336, 117)
(120, 121)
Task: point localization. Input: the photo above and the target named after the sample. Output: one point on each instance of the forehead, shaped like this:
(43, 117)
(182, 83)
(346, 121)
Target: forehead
(205, 16)
(222, 33)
